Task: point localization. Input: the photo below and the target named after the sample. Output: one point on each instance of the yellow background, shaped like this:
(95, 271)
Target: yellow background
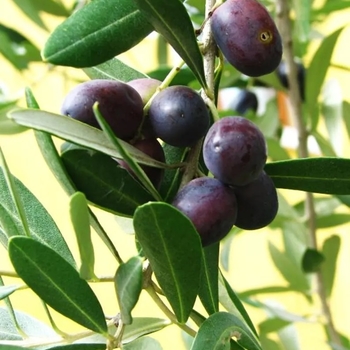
(250, 265)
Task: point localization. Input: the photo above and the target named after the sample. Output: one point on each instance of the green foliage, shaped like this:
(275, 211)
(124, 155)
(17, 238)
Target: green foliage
(184, 279)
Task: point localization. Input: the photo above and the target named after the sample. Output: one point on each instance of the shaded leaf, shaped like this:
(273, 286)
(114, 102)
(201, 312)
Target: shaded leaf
(56, 282)
(128, 285)
(114, 69)
(79, 214)
(312, 260)
(183, 77)
(80, 347)
(222, 326)
(209, 284)
(172, 245)
(31, 326)
(272, 325)
(31, 11)
(319, 175)
(332, 220)
(92, 35)
(170, 19)
(104, 183)
(330, 251)
(316, 74)
(264, 290)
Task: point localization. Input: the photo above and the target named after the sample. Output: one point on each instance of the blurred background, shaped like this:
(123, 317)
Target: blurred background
(25, 26)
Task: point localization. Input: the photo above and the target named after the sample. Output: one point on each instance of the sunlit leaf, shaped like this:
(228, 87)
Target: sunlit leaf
(96, 33)
(144, 343)
(5, 291)
(56, 282)
(79, 213)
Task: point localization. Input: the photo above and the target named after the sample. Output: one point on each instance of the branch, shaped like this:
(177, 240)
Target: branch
(285, 29)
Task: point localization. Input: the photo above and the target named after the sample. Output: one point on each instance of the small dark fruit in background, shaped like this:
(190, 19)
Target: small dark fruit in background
(210, 205)
(119, 103)
(179, 116)
(282, 75)
(245, 100)
(247, 36)
(234, 151)
(152, 148)
(257, 203)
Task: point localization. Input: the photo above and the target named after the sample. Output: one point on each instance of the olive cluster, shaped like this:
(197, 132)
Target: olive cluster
(234, 150)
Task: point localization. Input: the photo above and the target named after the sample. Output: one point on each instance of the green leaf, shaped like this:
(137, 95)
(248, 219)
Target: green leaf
(346, 116)
(52, 7)
(291, 272)
(312, 260)
(5, 291)
(79, 213)
(172, 245)
(319, 175)
(72, 130)
(272, 325)
(232, 303)
(264, 290)
(128, 285)
(40, 223)
(330, 251)
(324, 144)
(171, 20)
(209, 284)
(332, 220)
(10, 347)
(144, 343)
(276, 151)
(30, 10)
(31, 326)
(221, 327)
(8, 226)
(96, 33)
(172, 177)
(104, 183)
(56, 282)
(142, 326)
(114, 69)
(183, 77)
(316, 74)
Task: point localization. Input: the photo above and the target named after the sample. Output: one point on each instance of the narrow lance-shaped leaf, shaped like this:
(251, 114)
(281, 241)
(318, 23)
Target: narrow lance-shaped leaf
(5, 291)
(320, 175)
(96, 33)
(114, 69)
(209, 286)
(128, 285)
(56, 282)
(170, 19)
(172, 245)
(316, 74)
(79, 213)
(72, 130)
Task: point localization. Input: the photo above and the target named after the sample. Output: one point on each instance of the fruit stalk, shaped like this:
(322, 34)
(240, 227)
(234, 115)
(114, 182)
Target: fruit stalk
(284, 25)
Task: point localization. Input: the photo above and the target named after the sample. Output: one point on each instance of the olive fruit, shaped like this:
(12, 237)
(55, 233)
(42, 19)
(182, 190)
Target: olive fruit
(244, 101)
(257, 203)
(235, 151)
(146, 87)
(210, 205)
(179, 116)
(247, 36)
(282, 75)
(119, 103)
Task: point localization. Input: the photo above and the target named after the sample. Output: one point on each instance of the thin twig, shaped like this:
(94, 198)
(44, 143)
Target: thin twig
(284, 25)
